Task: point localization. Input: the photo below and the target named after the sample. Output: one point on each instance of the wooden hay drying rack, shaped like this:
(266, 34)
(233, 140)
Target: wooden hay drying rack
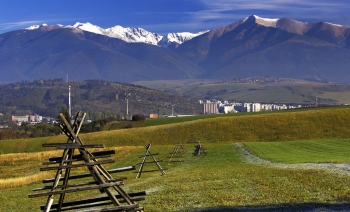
(148, 153)
(102, 179)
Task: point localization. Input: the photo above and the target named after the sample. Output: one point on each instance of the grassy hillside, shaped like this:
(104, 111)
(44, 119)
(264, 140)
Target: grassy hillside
(220, 180)
(282, 91)
(214, 182)
(306, 124)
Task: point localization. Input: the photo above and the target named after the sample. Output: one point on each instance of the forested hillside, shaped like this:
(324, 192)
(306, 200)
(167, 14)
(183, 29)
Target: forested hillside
(100, 99)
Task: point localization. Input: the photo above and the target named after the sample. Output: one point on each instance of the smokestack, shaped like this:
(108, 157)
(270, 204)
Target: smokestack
(127, 106)
(69, 105)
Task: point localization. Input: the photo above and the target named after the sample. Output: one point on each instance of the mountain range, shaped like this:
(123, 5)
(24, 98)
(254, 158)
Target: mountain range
(253, 46)
(132, 35)
(256, 46)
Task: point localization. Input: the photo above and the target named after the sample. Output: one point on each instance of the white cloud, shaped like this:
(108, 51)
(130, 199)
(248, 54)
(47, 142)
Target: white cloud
(20, 24)
(229, 11)
(291, 8)
(275, 5)
(9, 26)
(217, 13)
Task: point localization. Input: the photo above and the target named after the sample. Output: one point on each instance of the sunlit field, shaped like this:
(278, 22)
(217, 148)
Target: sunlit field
(223, 179)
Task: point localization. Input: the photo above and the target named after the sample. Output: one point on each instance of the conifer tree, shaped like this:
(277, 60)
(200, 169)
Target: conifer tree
(64, 111)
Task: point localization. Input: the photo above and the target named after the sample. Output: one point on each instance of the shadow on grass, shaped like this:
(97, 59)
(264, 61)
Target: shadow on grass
(305, 207)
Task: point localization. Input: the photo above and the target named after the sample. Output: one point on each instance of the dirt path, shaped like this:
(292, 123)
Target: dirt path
(248, 157)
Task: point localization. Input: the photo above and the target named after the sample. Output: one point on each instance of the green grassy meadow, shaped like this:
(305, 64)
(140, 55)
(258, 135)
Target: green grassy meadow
(218, 181)
(311, 151)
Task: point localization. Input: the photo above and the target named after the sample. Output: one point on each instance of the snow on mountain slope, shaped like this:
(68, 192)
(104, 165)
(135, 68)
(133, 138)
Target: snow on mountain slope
(294, 26)
(35, 27)
(132, 35)
(269, 22)
(178, 38)
(44, 27)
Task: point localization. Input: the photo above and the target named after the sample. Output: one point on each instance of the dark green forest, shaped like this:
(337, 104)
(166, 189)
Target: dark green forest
(103, 102)
(99, 99)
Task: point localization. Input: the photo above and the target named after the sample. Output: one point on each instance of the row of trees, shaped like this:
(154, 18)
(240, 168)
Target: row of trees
(11, 130)
(27, 130)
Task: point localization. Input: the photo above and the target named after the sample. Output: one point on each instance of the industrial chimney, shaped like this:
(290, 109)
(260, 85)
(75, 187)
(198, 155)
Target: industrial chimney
(69, 105)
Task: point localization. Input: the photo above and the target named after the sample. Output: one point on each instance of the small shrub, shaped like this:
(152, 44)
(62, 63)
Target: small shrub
(138, 117)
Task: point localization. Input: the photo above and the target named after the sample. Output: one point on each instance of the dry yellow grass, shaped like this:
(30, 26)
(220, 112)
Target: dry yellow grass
(24, 168)
(26, 180)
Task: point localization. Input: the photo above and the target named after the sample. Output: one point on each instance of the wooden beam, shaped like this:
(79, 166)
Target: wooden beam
(73, 160)
(71, 145)
(116, 208)
(74, 208)
(78, 146)
(51, 144)
(151, 161)
(133, 207)
(95, 154)
(141, 156)
(98, 199)
(77, 165)
(80, 184)
(101, 186)
(152, 170)
(128, 168)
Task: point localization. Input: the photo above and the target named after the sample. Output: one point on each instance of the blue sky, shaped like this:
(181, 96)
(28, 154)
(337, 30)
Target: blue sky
(163, 16)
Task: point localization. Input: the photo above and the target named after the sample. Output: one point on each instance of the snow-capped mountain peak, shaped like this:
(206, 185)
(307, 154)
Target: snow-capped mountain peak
(268, 22)
(178, 38)
(36, 26)
(132, 35)
(44, 27)
(87, 27)
(138, 35)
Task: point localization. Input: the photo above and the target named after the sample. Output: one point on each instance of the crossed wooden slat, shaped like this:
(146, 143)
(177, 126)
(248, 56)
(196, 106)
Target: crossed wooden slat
(102, 179)
(148, 153)
(176, 152)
